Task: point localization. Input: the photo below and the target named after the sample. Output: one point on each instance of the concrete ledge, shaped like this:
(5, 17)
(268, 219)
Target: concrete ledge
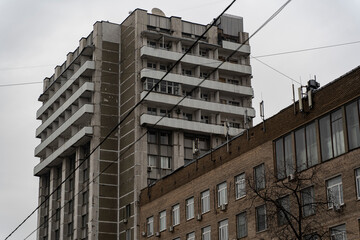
(233, 46)
(197, 104)
(88, 86)
(193, 81)
(196, 60)
(147, 119)
(87, 65)
(87, 108)
(49, 161)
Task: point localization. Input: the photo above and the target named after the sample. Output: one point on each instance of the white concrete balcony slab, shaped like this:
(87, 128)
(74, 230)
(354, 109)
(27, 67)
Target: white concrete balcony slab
(193, 81)
(196, 60)
(171, 100)
(80, 116)
(191, 126)
(233, 46)
(73, 141)
(88, 65)
(86, 87)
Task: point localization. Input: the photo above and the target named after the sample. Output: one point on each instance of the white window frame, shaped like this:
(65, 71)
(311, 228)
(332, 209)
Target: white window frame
(223, 230)
(222, 193)
(162, 221)
(190, 236)
(205, 201)
(150, 226)
(357, 177)
(338, 232)
(176, 215)
(152, 158)
(330, 196)
(165, 162)
(190, 208)
(240, 186)
(206, 233)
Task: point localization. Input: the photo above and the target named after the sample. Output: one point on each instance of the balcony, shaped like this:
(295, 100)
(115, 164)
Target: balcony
(193, 81)
(195, 60)
(76, 140)
(171, 100)
(190, 126)
(85, 69)
(80, 117)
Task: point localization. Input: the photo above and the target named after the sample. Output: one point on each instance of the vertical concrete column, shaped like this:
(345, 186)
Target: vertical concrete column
(198, 115)
(63, 200)
(197, 71)
(176, 26)
(217, 96)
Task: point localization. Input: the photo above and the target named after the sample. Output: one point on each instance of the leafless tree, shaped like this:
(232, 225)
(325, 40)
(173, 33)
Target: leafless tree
(291, 204)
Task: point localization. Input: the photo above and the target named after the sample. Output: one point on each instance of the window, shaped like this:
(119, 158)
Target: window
(164, 112)
(187, 72)
(165, 162)
(307, 201)
(259, 174)
(162, 218)
(151, 43)
(187, 116)
(352, 122)
(169, 87)
(128, 234)
(338, 232)
(150, 226)
(222, 194)
(306, 147)
(151, 65)
(84, 219)
(223, 230)
(331, 135)
(149, 83)
(70, 229)
(283, 210)
(127, 211)
(261, 218)
(204, 74)
(205, 201)
(334, 191)
(241, 225)
(206, 233)
(240, 186)
(357, 175)
(234, 103)
(284, 157)
(190, 236)
(189, 208)
(151, 111)
(176, 215)
(203, 52)
(151, 161)
(204, 119)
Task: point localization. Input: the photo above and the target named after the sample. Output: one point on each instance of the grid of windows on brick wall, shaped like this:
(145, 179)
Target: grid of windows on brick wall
(325, 135)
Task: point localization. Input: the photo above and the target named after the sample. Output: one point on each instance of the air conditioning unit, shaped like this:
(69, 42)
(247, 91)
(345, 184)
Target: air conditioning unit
(143, 234)
(171, 229)
(149, 169)
(223, 207)
(125, 220)
(291, 177)
(337, 207)
(199, 217)
(157, 234)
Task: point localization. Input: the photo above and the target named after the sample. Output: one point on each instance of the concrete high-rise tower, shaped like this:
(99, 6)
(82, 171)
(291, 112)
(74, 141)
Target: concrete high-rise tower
(99, 83)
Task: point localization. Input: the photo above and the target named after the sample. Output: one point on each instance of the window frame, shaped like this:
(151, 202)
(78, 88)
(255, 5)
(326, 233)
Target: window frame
(222, 194)
(150, 226)
(357, 182)
(238, 232)
(355, 127)
(340, 192)
(206, 233)
(311, 206)
(341, 231)
(240, 186)
(175, 210)
(263, 178)
(190, 208)
(162, 221)
(204, 198)
(223, 229)
(257, 218)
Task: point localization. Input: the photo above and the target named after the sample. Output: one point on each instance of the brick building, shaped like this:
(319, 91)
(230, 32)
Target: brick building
(296, 165)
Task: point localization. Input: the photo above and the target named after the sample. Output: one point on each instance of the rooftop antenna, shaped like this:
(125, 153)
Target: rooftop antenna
(262, 113)
(226, 133)
(293, 93)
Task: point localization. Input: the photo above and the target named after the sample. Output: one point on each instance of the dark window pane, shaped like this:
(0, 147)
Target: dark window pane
(280, 158)
(352, 120)
(337, 133)
(300, 149)
(311, 145)
(325, 138)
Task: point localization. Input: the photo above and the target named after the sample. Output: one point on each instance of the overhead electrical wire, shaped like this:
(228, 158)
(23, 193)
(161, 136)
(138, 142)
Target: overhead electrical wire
(256, 57)
(128, 114)
(121, 121)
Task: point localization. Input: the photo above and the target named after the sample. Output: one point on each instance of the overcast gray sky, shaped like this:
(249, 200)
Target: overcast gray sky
(36, 36)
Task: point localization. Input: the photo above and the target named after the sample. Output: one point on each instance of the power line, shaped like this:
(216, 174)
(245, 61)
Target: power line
(193, 89)
(276, 70)
(306, 49)
(18, 84)
(121, 121)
